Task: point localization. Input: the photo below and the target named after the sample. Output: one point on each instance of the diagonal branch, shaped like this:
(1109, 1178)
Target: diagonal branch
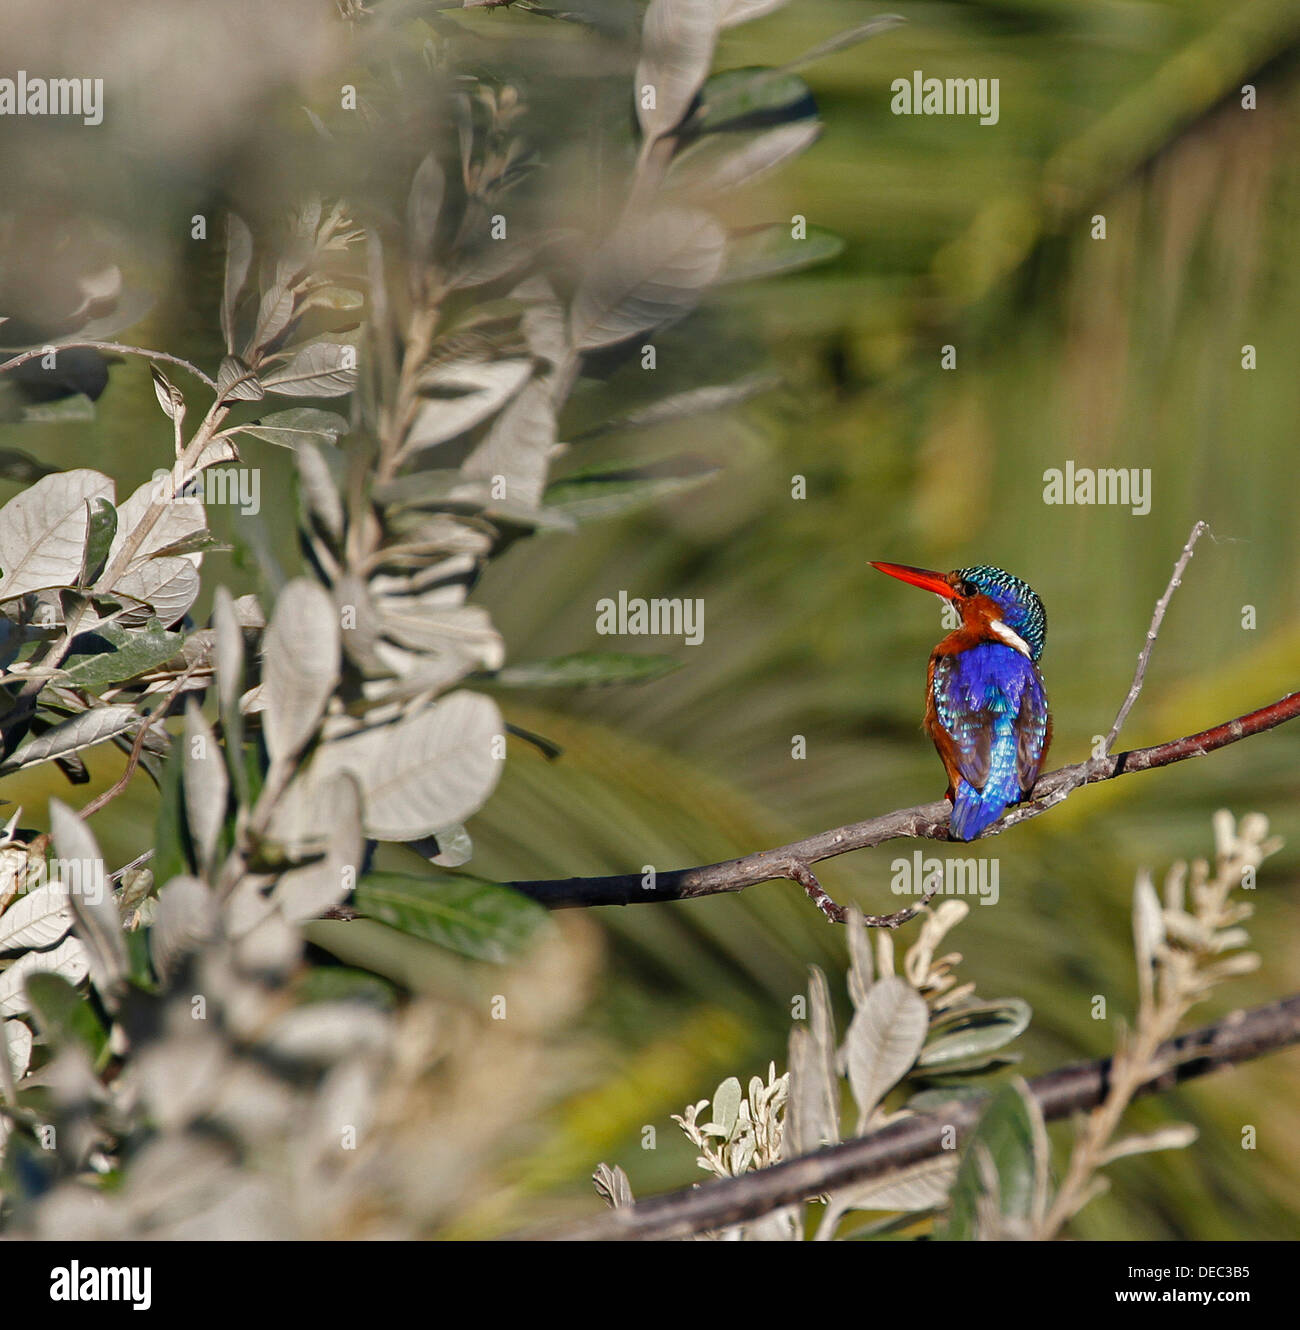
(1237, 1038)
(925, 821)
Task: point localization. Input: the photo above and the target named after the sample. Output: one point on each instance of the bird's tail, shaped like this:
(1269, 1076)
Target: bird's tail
(973, 810)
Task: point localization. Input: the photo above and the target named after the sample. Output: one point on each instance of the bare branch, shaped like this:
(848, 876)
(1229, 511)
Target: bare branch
(1237, 1038)
(1153, 632)
(118, 348)
(925, 821)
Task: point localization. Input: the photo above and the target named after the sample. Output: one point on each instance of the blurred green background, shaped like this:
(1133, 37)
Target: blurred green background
(1122, 352)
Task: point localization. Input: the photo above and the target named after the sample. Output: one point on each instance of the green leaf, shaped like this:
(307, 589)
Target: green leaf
(601, 491)
(1007, 1134)
(971, 1031)
(585, 669)
(468, 915)
(765, 251)
(171, 842)
(99, 539)
(751, 98)
(131, 652)
(299, 425)
(341, 983)
(64, 1015)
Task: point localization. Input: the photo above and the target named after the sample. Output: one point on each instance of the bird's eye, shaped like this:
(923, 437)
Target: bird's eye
(968, 588)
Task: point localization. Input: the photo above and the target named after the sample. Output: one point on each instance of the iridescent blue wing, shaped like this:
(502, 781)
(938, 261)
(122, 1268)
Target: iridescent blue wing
(1033, 725)
(969, 704)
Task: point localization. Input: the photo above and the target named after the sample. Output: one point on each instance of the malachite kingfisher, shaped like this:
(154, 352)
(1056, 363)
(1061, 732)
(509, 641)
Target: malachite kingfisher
(985, 704)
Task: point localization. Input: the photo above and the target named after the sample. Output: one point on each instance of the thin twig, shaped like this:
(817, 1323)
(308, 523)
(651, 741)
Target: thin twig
(119, 348)
(1061, 1093)
(146, 724)
(1156, 620)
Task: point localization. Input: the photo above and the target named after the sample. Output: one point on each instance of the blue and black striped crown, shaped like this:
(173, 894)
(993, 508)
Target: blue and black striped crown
(1022, 611)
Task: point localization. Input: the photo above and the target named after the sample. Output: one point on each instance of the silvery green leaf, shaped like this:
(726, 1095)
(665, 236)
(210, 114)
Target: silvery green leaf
(205, 782)
(68, 959)
(181, 519)
(423, 207)
(719, 163)
(228, 649)
(186, 915)
(921, 1186)
(652, 269)
(462, 394)
(1177, 1136)
(843, 40)
(676, 51)
(170, 397)
(17, 1038)
(72, 735)
(300, 424)
(1010, 1137)
(861, 966)
(301, 666)
(319, 369)
(974, 1029)
(518, 446)
(689, 404)
(586, 669)
(1148, 932)
(425, 771)
(98, 923)
(274, 314)
(236, 381)
(450, 848)
(812, 1117)
(316, 485)
(612, 1186)
(883, 1040)
(726, 1106)
(37, 919)
(239, 254)
(303, 893)
(595, 493)
(773, 250)
(324, 1033)
(166, 586)
(741, 11)
(43, 531)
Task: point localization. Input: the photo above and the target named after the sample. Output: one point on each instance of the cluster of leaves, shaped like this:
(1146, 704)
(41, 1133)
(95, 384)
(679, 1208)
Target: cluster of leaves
(925, 1027)
(339, 720)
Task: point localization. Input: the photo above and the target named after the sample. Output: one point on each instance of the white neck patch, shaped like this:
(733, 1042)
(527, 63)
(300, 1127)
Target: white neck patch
(1010, 637)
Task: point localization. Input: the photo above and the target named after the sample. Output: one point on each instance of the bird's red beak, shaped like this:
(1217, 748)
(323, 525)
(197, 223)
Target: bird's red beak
(922, 577)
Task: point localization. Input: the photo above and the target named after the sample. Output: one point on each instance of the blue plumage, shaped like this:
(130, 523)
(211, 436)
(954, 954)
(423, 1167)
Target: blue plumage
(987, 707)
(990, 700)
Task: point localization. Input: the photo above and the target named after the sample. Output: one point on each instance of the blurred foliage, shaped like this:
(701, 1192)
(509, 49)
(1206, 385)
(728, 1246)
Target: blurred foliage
(1122, 352)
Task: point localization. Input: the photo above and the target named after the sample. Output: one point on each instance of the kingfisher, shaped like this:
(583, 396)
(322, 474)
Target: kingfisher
(985, 705)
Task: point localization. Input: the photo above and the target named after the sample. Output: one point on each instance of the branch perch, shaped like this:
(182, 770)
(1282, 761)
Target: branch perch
(1237, 1038)
(925, 821)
